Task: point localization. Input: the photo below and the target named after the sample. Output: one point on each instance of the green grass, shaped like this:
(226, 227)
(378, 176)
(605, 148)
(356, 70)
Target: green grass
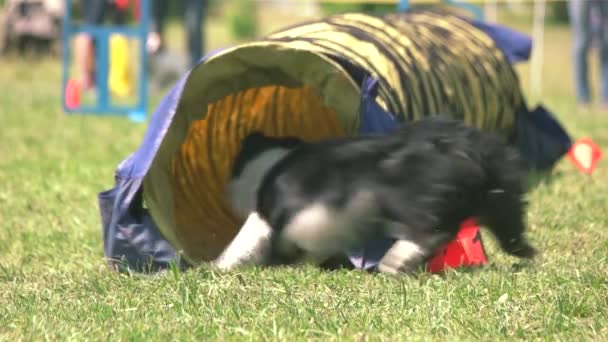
(54, 283)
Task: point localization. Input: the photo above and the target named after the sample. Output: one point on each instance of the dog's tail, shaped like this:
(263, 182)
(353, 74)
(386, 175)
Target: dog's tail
(503, 208)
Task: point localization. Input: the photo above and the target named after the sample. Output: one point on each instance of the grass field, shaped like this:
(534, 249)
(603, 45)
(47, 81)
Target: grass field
(54, 283)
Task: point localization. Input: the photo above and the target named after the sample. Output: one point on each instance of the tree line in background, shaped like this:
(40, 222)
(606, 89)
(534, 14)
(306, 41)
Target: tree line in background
(242, 13)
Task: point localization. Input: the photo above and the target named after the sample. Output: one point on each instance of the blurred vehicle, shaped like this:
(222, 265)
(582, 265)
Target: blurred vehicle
(31, 25)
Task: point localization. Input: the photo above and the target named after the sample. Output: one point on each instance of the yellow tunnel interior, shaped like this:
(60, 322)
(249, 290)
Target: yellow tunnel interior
(278, 91)
(204, 222)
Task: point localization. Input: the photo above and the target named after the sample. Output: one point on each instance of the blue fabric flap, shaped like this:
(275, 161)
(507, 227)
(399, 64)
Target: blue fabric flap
(132, 242)
(515, 45)
(541, 139)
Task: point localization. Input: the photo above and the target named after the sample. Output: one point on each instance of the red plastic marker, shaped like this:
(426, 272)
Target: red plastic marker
(464, 251)
(72, 94)
(136, 10)
(585, 155)
(121, 4)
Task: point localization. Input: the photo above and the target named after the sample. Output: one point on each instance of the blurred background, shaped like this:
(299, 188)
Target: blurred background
(30, 35)
(33, 81)
(53, 166)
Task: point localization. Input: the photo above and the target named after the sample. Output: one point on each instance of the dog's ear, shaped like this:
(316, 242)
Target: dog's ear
(255, 137)
(257, 140)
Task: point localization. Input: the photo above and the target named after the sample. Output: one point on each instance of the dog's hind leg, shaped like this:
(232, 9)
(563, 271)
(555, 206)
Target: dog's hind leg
(403, 257)
(408, 253)
(251, 245)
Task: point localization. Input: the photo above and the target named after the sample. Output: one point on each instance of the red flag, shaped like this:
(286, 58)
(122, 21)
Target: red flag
(585, 155)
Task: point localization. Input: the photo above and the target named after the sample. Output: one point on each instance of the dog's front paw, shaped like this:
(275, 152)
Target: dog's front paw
(223, 264)
(250, 246)
(520, 248)
(233, 258)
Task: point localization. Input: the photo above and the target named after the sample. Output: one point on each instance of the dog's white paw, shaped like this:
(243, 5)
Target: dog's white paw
(249, 247)
(230, 261)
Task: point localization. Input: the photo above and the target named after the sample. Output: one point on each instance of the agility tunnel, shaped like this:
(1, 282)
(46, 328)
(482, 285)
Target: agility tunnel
(344, 75)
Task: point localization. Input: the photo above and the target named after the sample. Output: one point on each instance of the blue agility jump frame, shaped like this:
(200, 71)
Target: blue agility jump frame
(101, 35)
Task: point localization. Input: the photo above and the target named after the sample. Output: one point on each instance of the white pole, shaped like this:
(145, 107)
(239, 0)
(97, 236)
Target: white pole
(536, 69)
(491, 14)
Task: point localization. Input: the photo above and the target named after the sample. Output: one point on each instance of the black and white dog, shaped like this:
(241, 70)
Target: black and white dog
(311, 201)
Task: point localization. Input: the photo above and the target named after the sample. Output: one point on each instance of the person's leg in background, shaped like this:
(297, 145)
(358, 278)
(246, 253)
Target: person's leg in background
(84, 46)
(603, 42)
(194, 16)
(580, 21)
(155, 41)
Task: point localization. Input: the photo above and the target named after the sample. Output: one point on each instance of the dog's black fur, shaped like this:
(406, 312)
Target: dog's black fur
(416, 184)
